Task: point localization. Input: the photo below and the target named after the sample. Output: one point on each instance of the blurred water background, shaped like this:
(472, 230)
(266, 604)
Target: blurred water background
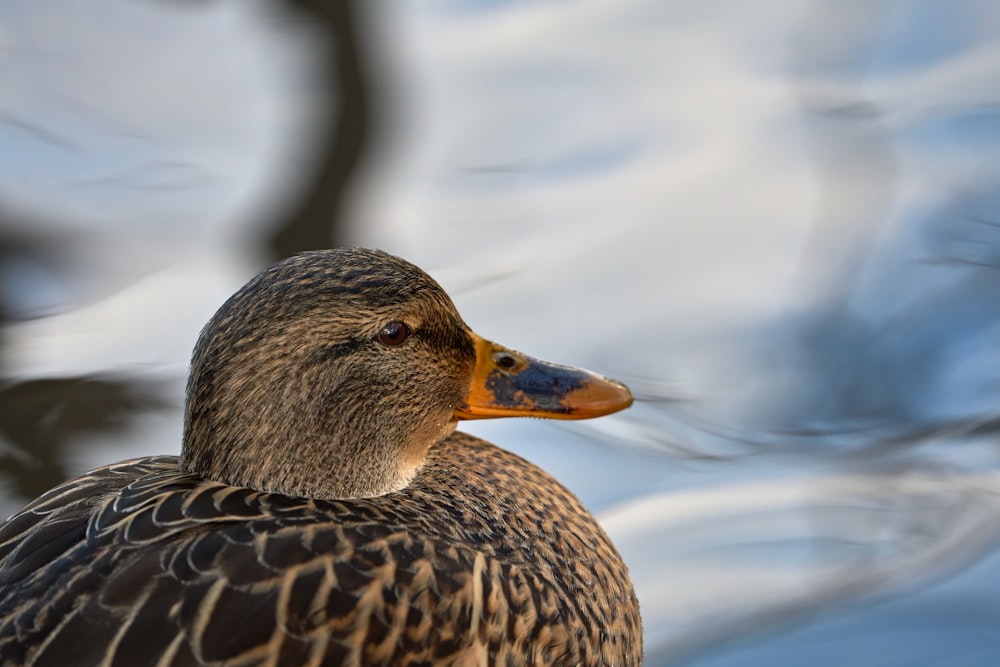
(778, 221)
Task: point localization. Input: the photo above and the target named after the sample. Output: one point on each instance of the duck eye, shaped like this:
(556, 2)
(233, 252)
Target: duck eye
(393, 333)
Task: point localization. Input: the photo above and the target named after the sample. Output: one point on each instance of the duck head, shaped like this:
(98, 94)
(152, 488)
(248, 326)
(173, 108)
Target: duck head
(332, 373)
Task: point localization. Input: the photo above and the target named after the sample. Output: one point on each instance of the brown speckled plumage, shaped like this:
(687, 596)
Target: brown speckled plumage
(481, 558)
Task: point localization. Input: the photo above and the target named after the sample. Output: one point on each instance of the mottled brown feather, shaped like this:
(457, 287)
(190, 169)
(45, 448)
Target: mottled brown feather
(483, 555)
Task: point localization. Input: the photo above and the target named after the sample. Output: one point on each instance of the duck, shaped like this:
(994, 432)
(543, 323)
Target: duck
(324, 510)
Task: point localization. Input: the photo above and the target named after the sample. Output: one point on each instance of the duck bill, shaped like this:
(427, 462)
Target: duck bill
(509, 384)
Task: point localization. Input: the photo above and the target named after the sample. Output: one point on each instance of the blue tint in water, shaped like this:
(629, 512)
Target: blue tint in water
(956, 622)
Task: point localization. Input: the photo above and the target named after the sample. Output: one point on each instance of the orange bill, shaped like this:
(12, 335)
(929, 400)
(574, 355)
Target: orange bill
(509, 384)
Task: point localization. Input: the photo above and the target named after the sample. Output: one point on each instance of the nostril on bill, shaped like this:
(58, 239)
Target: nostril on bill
(504, 360)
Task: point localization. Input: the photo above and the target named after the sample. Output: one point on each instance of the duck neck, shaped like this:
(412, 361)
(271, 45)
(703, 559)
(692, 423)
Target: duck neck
(322, 460)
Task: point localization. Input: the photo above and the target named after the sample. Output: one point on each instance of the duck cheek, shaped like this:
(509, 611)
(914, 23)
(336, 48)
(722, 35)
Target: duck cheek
(432, 431)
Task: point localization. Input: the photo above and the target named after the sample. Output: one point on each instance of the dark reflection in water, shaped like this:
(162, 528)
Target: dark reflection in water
(42, 420)
(312, 221)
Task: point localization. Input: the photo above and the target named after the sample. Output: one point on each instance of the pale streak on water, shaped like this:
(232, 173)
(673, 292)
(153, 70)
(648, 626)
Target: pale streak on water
(778, 221)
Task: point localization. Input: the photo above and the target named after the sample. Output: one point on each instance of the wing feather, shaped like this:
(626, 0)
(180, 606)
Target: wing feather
(139, 564)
